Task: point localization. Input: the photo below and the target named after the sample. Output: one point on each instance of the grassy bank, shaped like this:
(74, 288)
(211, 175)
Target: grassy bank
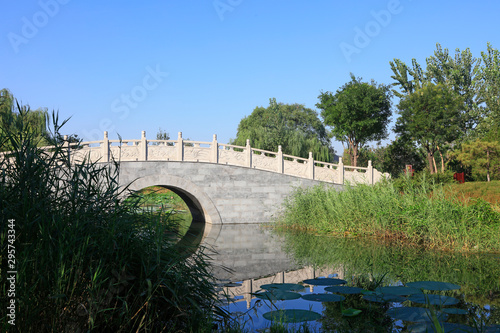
(84, 260)
(488, 191)
(409, 213)
(158, 195)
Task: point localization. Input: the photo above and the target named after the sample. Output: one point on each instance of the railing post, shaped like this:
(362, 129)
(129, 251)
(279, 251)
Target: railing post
(66, 144)
(341, 171)
(369, 171)
(249, 154)
(215, 150)
(279, 158)
(105, 147)
(311, 165)
(180, 147)
(143, 150)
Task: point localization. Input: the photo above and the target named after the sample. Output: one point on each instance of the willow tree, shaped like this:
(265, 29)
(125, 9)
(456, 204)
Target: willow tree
(293, 126)
(34, 121)
(358, 113)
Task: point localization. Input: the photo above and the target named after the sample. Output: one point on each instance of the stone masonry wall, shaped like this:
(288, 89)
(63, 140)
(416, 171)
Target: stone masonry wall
(225, 193)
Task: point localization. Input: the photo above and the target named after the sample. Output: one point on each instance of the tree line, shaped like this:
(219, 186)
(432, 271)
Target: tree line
(448, 118)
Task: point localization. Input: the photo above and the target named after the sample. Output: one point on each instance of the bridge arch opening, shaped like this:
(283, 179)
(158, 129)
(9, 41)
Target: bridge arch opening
(202, 209)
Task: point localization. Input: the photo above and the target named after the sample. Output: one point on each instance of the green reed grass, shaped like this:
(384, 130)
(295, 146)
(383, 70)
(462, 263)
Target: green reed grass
(418, 214)
(85, 261)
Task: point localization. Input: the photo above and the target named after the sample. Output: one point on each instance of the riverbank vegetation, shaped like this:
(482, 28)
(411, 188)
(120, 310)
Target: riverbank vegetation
(416, 213)
(83, 260)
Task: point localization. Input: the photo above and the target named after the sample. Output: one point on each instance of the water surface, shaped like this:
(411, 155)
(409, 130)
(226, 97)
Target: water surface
(252, 255)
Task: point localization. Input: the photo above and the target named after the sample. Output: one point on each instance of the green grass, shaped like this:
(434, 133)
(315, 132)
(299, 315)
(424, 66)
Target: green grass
(158, 195)
(488, 191)
(416, 213)
(84, 260)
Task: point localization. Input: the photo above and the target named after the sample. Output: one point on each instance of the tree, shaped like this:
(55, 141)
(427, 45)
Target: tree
(482, 156)
(400, 153)
(431, 117)
(490, 85)
(461, 74)
(35, 121)
(358, 112)
(406, 84)
(293, 126)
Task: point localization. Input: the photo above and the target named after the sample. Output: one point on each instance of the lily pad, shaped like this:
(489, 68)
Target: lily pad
(382, 298)
(414, 314)
(433, 285)
(323, 297)
(433, 299)
(325, 282)
(398, 290)
(283, 286)
(424, 327)
(344, 290)
(351, 312)
(277, 295)
(292, 316)
(454, 311)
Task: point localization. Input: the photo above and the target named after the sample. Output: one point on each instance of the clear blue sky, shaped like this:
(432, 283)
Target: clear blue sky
(200, 66)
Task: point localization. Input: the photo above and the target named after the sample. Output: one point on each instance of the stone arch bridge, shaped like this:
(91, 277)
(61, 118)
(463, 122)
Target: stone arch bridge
(220, 183)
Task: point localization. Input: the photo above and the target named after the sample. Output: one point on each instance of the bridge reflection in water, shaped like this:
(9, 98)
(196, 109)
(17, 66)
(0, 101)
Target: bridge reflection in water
(244, 292)
(252, 255)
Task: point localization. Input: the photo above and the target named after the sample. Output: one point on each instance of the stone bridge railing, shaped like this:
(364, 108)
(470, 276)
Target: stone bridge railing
(214, 152)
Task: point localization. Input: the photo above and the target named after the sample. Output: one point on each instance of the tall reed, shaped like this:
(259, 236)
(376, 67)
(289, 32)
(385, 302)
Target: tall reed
(84, 261)
(412, 214)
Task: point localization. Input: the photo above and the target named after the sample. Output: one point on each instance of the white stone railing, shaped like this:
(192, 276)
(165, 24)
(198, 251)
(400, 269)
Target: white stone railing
(213, 152)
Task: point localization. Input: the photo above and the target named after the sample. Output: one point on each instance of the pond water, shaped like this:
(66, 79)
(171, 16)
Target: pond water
(249, 257)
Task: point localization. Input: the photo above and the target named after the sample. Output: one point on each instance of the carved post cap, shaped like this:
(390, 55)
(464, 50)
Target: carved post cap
(248, 142)
(143, 134)
(105, 134)
(279, 148)
(340, 160)
(179, 135)
(369, 163)
(310, 154)
(65, 138)
(215, 137)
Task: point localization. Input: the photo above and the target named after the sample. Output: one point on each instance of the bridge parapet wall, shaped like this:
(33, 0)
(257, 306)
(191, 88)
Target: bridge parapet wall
(215, 152)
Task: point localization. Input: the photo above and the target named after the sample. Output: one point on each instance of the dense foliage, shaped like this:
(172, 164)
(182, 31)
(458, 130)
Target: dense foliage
(35, 121)
(431, 117)
(296, 128)
(358, 112)
(473, 81)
